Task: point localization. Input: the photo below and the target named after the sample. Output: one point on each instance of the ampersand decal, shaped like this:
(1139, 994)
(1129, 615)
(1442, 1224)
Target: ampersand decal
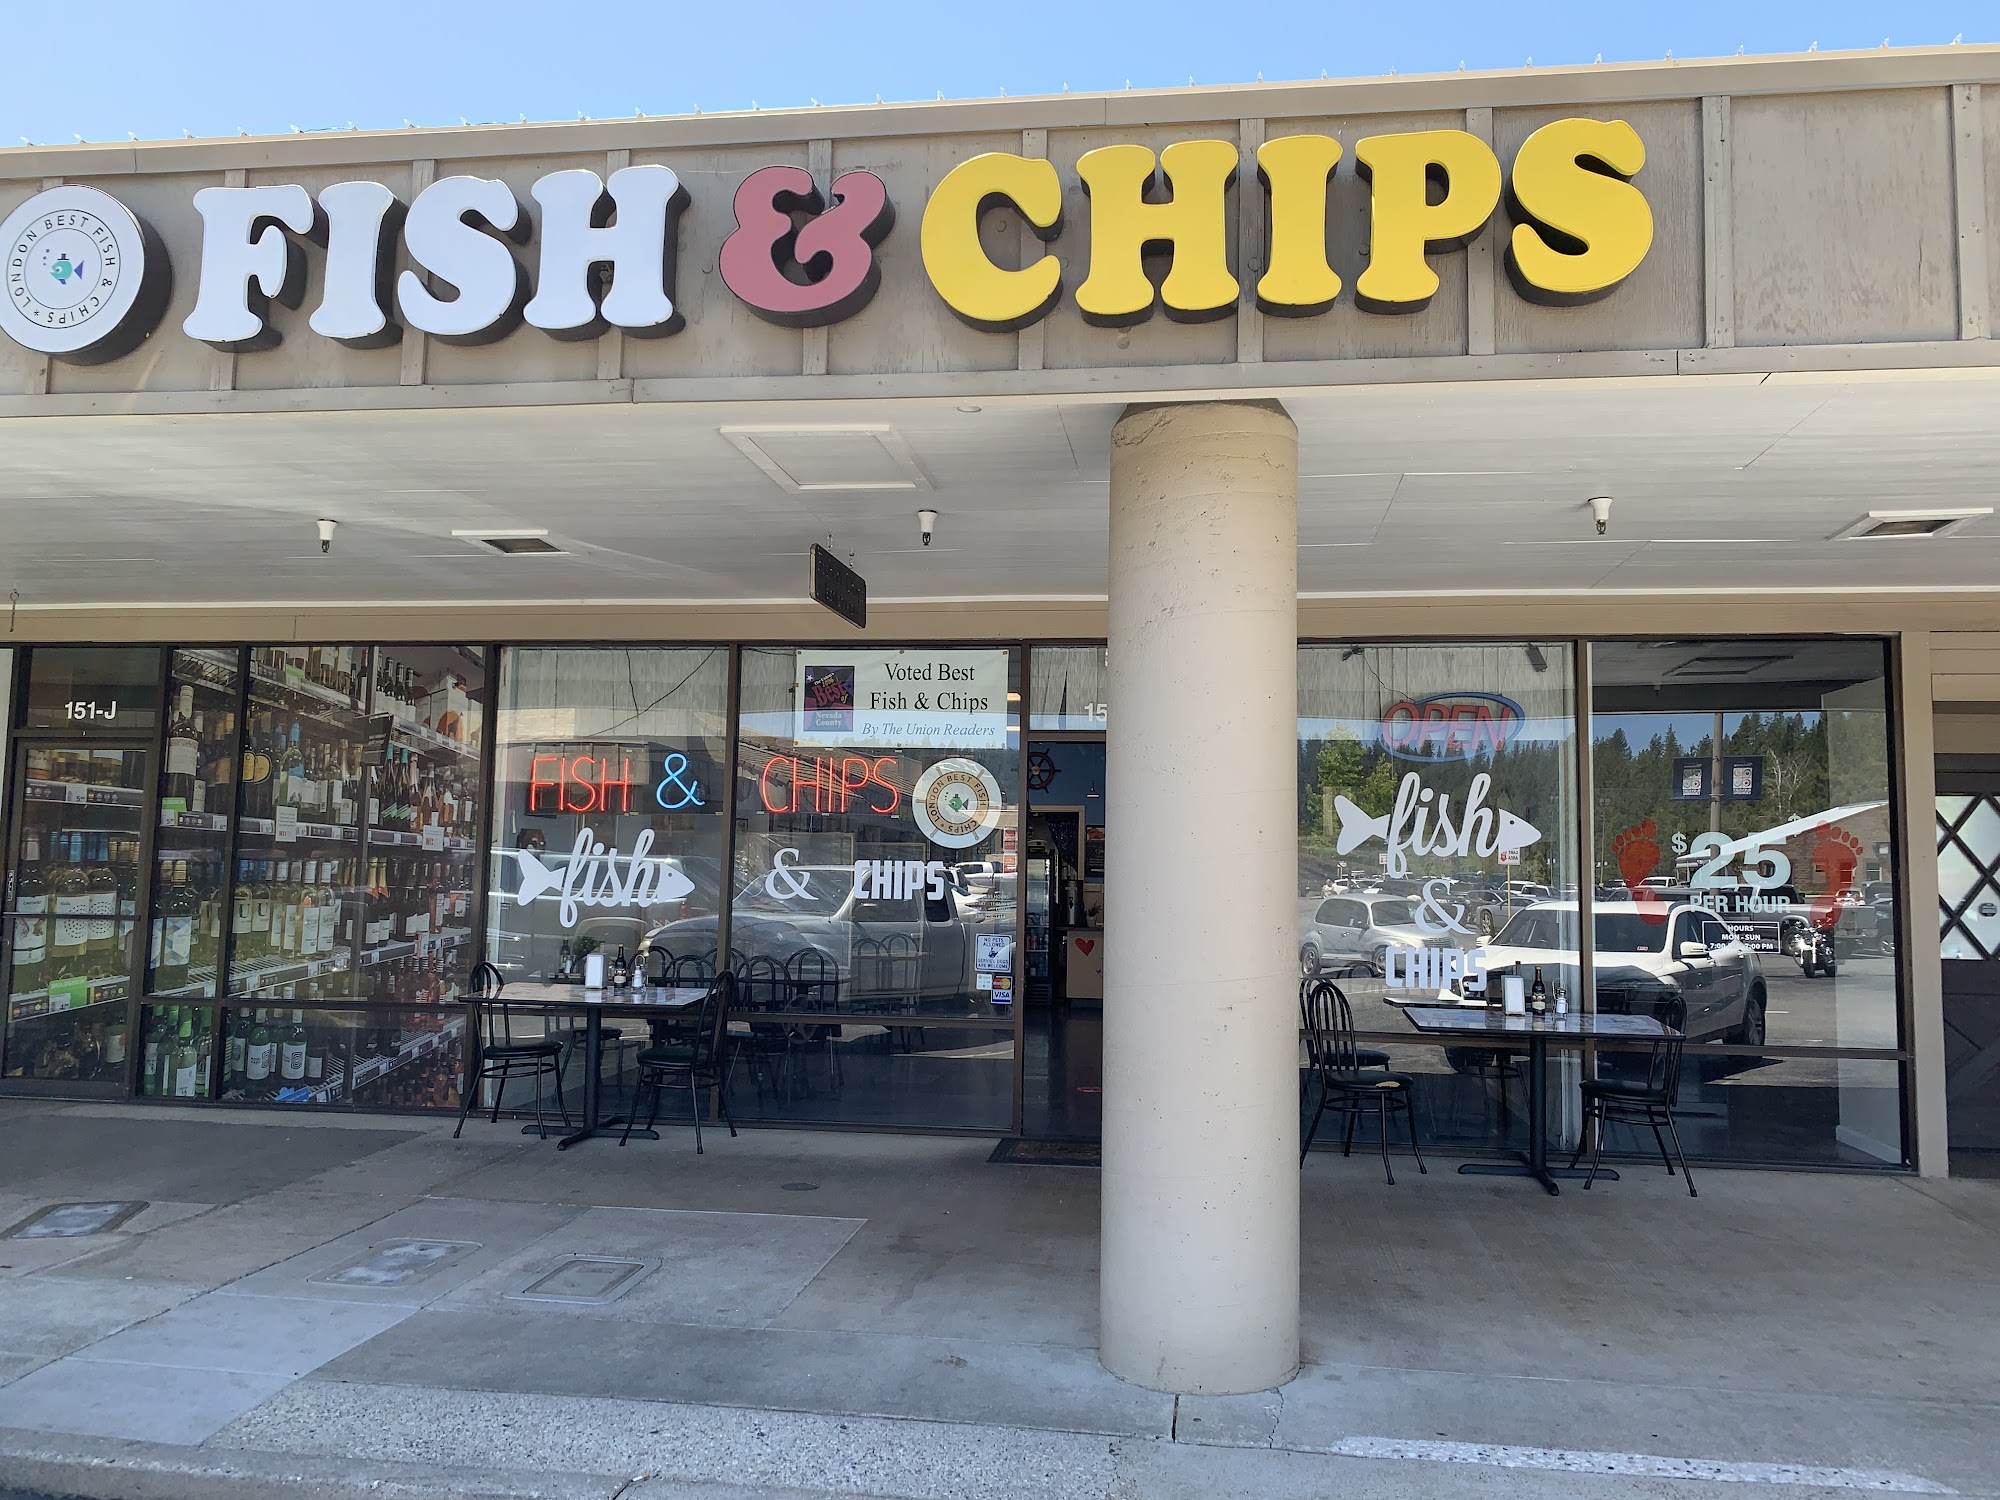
(806, 275)
(787, 882)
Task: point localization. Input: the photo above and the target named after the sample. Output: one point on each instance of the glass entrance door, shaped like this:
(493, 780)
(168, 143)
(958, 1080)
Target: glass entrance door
(72, 911)
(1062, 1092)
(1968, 835)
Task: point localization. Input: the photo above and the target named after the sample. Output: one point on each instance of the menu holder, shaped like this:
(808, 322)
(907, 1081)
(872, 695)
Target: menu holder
(1514, 995)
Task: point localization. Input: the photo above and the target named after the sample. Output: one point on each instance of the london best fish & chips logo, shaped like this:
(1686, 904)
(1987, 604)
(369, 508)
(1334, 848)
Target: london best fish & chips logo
(82, 280)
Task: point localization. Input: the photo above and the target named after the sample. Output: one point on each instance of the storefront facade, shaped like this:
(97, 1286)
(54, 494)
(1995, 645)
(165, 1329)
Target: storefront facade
(1318, 529)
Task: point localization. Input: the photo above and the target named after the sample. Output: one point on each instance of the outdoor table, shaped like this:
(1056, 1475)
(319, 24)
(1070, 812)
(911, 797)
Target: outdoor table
(1490, 1024)
(640, 1002)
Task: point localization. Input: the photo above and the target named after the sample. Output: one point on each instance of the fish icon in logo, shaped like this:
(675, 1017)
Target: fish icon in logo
(591, 877)
(1421, 823)
(64, 268)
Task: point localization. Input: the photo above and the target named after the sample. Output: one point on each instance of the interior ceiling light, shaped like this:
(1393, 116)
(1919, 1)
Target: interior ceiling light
(1884, 525)
(510, 543)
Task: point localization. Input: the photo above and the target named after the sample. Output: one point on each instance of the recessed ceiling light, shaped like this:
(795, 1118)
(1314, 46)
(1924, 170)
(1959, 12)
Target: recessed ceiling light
(516, 543)
(971, 410)
(1885, 525)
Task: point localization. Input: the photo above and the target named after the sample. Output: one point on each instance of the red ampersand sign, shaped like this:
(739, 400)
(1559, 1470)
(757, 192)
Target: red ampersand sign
(834, 251)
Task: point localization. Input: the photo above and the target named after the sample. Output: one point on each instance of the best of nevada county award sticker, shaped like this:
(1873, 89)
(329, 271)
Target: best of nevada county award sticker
(956, 802)
(84, 279)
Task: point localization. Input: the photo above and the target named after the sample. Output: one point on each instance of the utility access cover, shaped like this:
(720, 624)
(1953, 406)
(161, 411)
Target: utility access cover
(399, 1262)
(62, 1221)
(584, 1280)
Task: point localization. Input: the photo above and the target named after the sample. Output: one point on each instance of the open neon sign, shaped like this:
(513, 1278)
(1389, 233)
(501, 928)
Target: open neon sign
(827, 783)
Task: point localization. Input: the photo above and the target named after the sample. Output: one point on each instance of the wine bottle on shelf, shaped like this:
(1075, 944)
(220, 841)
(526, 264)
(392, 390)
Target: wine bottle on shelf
(183, 752)
(260, 1058)
(31, 921)
(69, 902)
(104, 958)
(292, 1053)
(173, 948)
(152, 1038)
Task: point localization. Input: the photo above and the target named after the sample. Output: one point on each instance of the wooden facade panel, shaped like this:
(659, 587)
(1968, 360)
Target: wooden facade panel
(910, 328)
(1660, 305)
(1067, 340)
(1344, 331)
(1844, 224)
(1989, 122)
(169, 360)
(1981, 687)
(721, 335)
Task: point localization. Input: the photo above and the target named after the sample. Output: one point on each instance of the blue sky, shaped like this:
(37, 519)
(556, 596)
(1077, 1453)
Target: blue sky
(114, 67)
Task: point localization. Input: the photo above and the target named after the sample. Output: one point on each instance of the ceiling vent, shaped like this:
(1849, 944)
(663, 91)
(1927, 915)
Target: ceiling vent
(511, 543)
(831, 456)
(1885, 525)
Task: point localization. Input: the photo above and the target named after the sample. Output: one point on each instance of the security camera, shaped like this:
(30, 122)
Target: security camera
(1600, 511)
(326, 535)
(927, 525)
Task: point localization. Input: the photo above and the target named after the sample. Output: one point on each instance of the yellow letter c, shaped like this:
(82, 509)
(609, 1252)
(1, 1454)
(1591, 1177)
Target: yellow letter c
(983, 294)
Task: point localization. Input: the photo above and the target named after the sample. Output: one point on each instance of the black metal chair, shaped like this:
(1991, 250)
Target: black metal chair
(700, 1060)
(766, 1046)
(502, 1055)
(814, 981)
(1367, 1057)
(1646, 1098)
(1344, 1084)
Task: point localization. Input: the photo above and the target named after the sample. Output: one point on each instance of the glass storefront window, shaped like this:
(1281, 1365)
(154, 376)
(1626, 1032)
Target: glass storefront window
(610, 810)
(1437, 812)
(870, 782)
(358, 815)
(1742, 817)
(78, 784)
(197, 805)
(1069, 688)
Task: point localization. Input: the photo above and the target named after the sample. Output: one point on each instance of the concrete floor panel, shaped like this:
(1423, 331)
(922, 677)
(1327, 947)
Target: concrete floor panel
(50, 1315)
(1325, 1407)
(729, 1269)
(498, 1230)
(237, 1239)
(73, 1156)
(249, 1335)
(890, 1375)
(140, 1402)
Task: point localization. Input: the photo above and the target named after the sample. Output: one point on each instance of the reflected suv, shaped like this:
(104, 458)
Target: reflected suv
(1360, 929)
(1647, 954)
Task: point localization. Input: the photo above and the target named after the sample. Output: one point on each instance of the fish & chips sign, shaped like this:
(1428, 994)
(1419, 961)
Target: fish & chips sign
(87, 280)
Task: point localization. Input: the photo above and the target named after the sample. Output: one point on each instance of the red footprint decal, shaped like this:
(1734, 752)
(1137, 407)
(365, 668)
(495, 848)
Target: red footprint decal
(1834, 856)
(1638, 855)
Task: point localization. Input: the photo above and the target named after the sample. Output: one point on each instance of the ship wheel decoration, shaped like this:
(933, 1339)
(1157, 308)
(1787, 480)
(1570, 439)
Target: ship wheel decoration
(1041, 770)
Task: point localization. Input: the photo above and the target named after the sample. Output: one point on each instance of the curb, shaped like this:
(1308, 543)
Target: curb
(80, 1468)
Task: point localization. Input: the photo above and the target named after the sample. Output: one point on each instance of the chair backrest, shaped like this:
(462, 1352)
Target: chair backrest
(694, 968)
(715, 1030)
(1328, 1025)
(1663, 1067)
(658, 965)
(815, 978)
(492, 1019)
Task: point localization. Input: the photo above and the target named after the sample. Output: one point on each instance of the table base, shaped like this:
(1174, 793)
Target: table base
(1545, 1175)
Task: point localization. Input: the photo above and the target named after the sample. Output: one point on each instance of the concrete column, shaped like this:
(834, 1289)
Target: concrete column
(1199, 1287)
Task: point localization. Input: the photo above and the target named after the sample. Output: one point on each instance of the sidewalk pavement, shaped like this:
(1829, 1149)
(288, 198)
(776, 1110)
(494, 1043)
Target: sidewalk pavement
(347, 1306)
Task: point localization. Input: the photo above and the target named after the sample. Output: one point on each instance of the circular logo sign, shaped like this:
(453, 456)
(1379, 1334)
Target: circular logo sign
(956, 802)
(83, 279)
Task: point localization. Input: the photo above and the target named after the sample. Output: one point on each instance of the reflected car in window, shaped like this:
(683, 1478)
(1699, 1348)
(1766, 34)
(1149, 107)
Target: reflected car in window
(1648, 954)
(1360, 930)
(919, 946)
